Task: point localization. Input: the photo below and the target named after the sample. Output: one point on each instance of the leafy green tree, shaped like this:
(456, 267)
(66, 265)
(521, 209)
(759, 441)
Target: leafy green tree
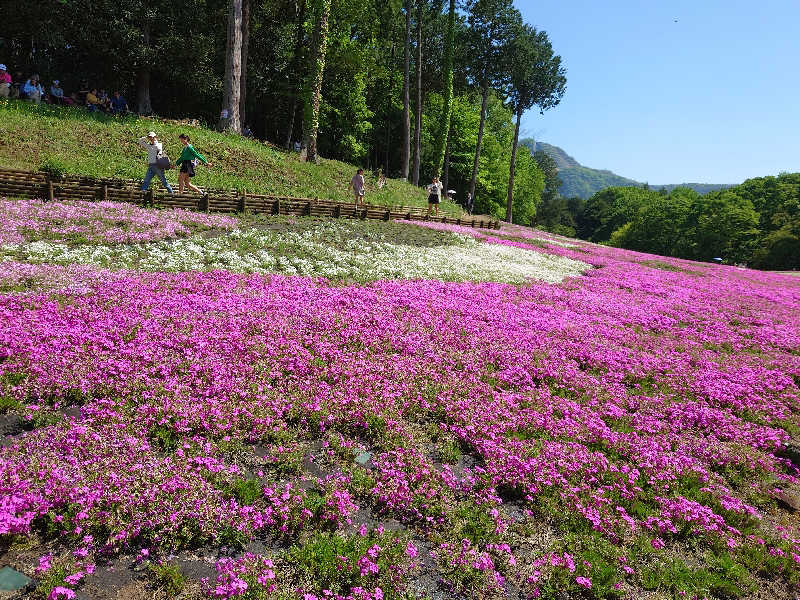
(610, 209)
(491, 27)
(723, 224)
(659, 224)
(537, 79)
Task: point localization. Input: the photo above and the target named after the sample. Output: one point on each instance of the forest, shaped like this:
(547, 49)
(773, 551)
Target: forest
(412, 88)
(756, 223)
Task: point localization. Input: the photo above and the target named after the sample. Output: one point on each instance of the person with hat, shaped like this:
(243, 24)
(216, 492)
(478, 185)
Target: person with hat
(155, 150)
(5, 81)
(57, 93)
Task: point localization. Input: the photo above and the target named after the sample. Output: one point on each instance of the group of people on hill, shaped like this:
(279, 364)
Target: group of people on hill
(158, 162)
(434, 189)
(32, 89)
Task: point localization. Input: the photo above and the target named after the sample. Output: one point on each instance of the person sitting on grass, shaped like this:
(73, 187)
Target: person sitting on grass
(57, 94)
(5, 82)
(93, 102)
(105, 101)
(119, 106)
(359, 186)
(33, 89)
(187, 162)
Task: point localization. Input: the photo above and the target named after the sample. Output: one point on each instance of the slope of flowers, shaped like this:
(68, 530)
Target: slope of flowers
(342, 250)
(624, 430)
(110, 222)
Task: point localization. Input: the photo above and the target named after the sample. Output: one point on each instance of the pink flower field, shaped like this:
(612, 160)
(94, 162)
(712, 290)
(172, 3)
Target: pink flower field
(114, 222)
(627, 433)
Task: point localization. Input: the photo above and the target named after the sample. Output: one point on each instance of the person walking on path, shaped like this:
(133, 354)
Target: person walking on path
(434, 195)
(359, 186)
(187, 162)
(155, 150)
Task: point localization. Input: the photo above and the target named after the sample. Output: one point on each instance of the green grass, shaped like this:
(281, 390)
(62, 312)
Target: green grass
(73, 141)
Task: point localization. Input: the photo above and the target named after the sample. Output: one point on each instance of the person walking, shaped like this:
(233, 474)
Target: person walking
(434, 195)
(187, 162)
(155, 150)
(359, 186)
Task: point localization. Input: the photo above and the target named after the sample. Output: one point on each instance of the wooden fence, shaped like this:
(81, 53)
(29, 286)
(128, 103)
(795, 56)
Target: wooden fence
(28, 184)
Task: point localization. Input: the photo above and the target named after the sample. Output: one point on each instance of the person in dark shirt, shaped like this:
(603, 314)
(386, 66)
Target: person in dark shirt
(119, 106)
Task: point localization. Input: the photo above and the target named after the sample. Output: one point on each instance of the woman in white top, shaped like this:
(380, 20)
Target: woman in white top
(434, 196)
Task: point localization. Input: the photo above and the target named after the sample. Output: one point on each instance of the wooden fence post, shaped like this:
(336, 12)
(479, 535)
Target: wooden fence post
(148, 198)
(50, 192)
(242, 201)
(337, 211)
(105, 192)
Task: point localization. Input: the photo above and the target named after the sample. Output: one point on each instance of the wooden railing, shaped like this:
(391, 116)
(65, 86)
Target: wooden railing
(37, 184)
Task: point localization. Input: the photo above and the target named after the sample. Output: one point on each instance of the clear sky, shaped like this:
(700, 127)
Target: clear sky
(701, 91)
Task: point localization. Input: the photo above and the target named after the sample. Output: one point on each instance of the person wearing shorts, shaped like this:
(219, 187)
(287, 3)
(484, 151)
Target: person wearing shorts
(359, 186)
(187, 161)
(434, 196)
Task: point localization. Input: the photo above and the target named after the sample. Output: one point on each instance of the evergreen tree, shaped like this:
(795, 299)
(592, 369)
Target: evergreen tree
(537, 79)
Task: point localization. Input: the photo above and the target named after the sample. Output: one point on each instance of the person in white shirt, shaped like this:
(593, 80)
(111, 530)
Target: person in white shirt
(359, 186)
(154, 149)
(434, 196)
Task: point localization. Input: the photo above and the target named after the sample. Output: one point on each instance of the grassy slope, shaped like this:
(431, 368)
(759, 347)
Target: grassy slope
(102, 146)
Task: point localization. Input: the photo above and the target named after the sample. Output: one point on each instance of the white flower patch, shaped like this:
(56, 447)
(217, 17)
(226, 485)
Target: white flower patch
(335, 250)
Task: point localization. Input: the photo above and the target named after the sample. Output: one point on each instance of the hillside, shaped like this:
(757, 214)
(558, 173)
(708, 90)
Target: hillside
(78, 142)
(203, 406)
(584, 182)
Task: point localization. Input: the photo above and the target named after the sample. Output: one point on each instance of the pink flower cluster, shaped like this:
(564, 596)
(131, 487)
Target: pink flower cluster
(110, 222)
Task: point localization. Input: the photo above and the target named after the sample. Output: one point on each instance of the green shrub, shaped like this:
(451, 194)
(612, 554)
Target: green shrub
(168, 578)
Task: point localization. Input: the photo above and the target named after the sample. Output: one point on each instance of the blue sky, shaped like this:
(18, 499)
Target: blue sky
(711, 98)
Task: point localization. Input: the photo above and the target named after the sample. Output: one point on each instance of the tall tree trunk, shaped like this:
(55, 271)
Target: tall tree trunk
(404, 160)
(229, 116)
(480, 141)
(448, 88)
(513, 166)
(389, 108)
(317, 70)
(245, 48)
(418, 119)
(446, 172)
(295, 72)
(143, 104)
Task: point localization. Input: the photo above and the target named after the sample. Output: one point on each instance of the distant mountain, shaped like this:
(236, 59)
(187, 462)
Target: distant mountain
(584, 181)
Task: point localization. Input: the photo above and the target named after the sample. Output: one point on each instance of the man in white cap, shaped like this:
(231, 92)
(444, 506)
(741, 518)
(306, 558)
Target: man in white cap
(5, 81)
(154, 150)
(56, 92)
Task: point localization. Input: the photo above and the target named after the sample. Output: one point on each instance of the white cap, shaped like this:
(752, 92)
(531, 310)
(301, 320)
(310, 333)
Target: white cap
(151, 134)
(3, 67)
